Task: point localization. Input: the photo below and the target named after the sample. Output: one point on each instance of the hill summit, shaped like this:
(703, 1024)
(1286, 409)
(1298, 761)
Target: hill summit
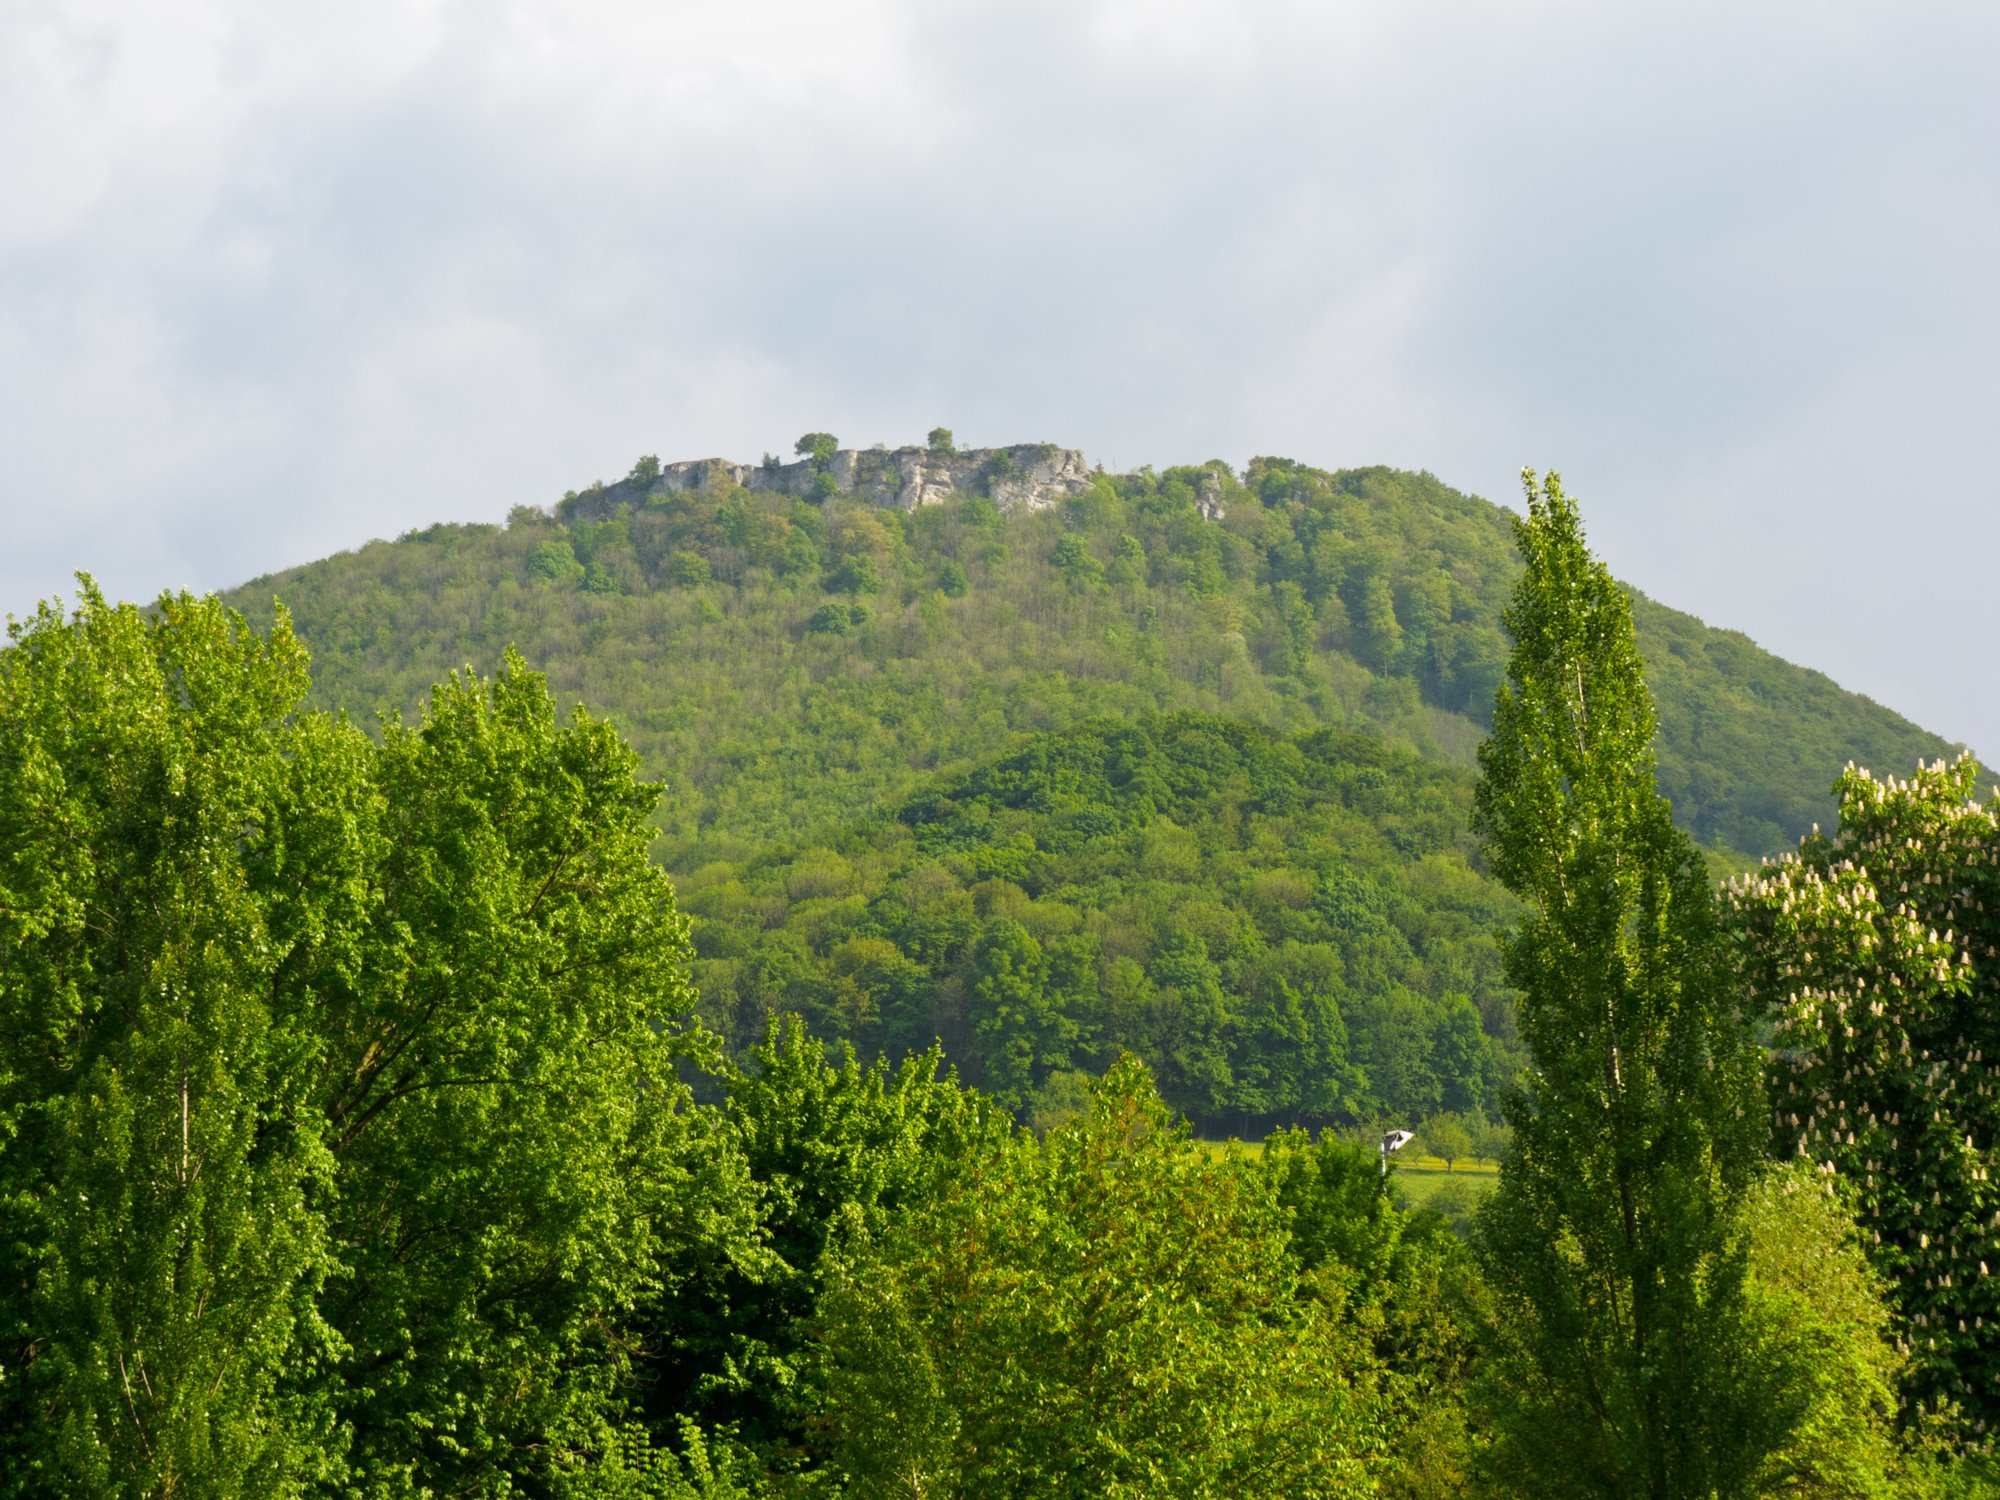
(795, 646)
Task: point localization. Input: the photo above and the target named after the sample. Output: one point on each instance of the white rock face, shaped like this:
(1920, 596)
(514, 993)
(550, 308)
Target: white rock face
(1208, 496)
(1025, 477)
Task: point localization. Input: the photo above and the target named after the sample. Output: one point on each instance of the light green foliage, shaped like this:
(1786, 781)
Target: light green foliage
(161, 1269)
(1062, 1097)
(626, 1462)
(1072, 558)
(939, 442)
(554, 562)
(1876, 952)
(1381, 632)
(1446, 1137)
(647, 469)
(338, 1077)
(1104, 1312)
(1824, 1344)
(689, 570)
(1454, 1197)
(344, 1145)
(1623, 1334)
(854, 575)
(1491, 1139)
(1393, 1278)
(508, 1122)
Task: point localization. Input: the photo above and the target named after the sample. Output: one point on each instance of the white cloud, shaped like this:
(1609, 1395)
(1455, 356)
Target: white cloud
(276, 279)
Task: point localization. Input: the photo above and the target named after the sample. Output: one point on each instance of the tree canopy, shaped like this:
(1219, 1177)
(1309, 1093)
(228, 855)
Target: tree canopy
(1286, 928)
(338, 1079)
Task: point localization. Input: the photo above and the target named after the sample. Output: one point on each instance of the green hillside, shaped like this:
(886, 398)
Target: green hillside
(792, 666)
(1284, 928)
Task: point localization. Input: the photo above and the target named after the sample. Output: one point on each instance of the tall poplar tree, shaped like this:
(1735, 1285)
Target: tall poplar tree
(1612, 1240)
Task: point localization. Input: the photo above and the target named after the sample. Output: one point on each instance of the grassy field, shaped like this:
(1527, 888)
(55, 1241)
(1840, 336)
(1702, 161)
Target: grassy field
(1457, 1194)
(1420, 1181)
(1406, 1165)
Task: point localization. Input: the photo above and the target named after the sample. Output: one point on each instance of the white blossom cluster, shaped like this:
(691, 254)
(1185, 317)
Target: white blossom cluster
(1876, 954)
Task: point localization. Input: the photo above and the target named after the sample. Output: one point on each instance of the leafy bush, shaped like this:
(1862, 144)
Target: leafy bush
(986, 1344)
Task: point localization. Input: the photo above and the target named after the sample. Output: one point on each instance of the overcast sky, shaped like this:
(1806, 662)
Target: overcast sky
(276, 278)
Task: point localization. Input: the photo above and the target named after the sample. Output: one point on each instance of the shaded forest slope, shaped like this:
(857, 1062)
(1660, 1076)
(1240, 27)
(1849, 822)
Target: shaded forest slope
(1284, 927)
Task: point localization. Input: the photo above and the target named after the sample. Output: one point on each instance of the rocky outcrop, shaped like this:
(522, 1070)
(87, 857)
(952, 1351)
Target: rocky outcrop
(1025, 477)
(1208, 495)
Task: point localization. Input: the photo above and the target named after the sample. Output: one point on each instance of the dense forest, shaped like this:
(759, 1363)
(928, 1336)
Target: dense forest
(1286, 928)
(795, 1082)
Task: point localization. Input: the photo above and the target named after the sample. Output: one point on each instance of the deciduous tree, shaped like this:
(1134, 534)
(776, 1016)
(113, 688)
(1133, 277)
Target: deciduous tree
(819, 447)
(1107, 1311)
(337, 1076)
(1876, 952)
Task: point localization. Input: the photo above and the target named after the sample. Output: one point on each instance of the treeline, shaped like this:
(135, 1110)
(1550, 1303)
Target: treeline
(1286, 929)
(358, 1133)
(790, 666)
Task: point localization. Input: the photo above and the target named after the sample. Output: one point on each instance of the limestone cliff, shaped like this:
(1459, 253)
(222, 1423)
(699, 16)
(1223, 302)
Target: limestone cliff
(1025, 477)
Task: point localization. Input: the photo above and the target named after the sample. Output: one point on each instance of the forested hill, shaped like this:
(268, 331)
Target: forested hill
(791, 664)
